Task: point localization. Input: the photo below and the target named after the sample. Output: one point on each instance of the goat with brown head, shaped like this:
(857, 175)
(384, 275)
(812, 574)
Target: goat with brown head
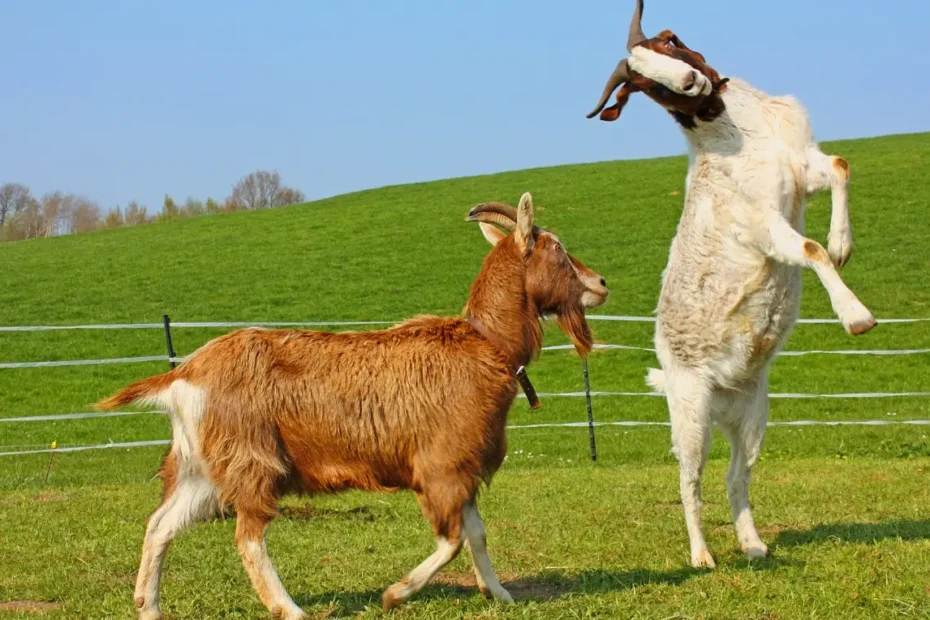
(667, 71)
(423, 406)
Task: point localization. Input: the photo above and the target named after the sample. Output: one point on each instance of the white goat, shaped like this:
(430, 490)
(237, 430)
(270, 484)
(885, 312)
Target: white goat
(732, 288)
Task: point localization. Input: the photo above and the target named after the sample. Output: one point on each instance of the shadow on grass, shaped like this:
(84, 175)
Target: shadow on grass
(545, 586)
(854, 533)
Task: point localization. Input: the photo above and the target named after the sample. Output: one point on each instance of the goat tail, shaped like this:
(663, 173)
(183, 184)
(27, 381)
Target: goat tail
(145, 392)
(655, 379)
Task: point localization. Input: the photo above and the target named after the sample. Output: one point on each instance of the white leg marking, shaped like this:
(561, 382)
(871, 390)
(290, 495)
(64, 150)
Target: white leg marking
(476, 540)
(399, 592)
(193, 500)
(266, 582)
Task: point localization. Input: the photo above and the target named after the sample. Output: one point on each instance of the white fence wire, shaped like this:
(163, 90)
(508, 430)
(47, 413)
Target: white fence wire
(516, 427)
(600, 394)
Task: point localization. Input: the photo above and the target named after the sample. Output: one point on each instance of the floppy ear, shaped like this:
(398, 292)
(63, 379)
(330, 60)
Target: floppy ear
(524, 232)
(492, 233)
(613, 112)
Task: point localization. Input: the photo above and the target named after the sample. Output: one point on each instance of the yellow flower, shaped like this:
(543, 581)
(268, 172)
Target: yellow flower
(54, 445)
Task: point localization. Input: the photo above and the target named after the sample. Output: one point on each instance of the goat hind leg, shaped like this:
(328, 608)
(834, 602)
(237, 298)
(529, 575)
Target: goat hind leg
(193, 499)
(745, 428)
(250, 542)
(689, 410)
(476, 539)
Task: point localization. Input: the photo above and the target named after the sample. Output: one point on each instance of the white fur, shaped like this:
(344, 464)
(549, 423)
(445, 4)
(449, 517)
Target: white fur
(670, 72)
(731, 290)
(446, 550)
(265, 579)
(195, 499)
(476, 540)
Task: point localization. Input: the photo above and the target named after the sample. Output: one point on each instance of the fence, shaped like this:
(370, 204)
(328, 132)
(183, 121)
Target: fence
(172, 359)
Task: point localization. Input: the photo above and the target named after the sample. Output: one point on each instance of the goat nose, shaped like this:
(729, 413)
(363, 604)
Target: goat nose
(689, 81)
(603, 282)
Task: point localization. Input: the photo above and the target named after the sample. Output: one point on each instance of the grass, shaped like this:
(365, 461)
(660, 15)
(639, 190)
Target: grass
(844, 509)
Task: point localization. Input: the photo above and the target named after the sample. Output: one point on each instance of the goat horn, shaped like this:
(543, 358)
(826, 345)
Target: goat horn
(620, 75)
(636, 27)
(498, 213)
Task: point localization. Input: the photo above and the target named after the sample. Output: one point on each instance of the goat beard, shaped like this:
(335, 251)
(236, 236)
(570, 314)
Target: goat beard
(573, 323)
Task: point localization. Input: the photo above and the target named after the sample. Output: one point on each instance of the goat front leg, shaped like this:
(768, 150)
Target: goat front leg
(829, 171)
(445, 511)
(476, 540)
(786, 245)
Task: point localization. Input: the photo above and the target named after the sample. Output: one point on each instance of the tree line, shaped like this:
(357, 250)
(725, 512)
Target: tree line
(24, 216)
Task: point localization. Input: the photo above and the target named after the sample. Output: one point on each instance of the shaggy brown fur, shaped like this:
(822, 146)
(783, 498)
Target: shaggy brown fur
(420, 406)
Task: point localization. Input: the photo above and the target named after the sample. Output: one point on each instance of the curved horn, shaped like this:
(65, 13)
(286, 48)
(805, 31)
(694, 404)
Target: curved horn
(498, 213)
(620, 75)
(636, 27)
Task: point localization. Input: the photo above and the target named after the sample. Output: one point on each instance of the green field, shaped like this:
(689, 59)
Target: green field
(845, 510)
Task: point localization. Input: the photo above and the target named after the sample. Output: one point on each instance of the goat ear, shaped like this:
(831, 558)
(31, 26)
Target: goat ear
(524, 232)
(492, 233)
(613, 112)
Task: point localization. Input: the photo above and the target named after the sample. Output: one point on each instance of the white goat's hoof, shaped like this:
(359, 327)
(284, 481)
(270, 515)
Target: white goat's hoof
(291, 612)
(395, 595)
(861, 325)
(839, 247)
(756, 551)
(703, 559)
(150, 614)
(856, 318)
(504, 596)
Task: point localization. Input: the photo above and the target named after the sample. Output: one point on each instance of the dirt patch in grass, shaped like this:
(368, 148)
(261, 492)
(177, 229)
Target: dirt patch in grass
(360, 513)
(520, 589)
(29, 606)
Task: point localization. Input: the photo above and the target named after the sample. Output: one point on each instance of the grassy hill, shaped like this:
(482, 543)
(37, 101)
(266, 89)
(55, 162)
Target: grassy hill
(394, 252)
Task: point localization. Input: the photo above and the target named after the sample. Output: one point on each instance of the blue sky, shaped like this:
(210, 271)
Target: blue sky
(125, 101)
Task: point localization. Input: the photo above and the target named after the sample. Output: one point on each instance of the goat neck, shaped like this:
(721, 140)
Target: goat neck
(498, 299)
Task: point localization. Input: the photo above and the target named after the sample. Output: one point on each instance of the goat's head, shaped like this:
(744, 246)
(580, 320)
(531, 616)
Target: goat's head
(558, 284)
(669, 72)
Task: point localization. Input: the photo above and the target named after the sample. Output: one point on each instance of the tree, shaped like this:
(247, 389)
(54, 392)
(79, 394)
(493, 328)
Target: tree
(84, 215)
(262, 190)
(289, 196)
(212, 207)
(114, 219)
(192, 208)
(135, 214)
(169, 210)
(13, 199)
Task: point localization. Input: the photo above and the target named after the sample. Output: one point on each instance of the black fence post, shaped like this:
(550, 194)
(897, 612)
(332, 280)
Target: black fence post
(167, 322)
(587, 396)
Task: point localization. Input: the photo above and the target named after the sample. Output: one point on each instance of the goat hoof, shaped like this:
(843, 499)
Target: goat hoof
(391, 598)
(862, 326)
(150, 614)
(756, 551)
(504, 597)
(839, 248)
(703, 559)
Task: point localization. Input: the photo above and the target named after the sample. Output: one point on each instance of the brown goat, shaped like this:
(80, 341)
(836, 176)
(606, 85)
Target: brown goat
(260, 413)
